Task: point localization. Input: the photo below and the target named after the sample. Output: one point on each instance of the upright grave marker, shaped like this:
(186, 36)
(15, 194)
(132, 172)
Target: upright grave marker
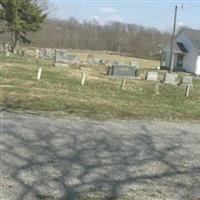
(122, 70)
(152, 76)
(63, 59)
(91, 59)
(186, 80)
(47, 53)
(170, 79)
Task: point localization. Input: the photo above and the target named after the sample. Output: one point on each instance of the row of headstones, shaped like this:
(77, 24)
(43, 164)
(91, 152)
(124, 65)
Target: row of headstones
(37, 53)
(170, 78)
(60, 56)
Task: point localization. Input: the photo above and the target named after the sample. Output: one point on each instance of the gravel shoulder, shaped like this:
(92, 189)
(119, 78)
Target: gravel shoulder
(74, 158)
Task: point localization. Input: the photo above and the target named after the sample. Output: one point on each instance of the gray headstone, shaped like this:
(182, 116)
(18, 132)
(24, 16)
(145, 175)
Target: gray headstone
(48, 53)
(122, 70)
(186, 80)
(91, 59)
(152, 76)
(41, 54)
(170, 79)
(63, 57)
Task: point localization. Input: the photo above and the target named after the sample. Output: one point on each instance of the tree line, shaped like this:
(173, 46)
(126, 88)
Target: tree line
(123, 38)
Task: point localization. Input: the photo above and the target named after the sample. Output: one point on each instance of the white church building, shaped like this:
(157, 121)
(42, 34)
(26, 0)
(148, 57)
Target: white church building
(186, 55)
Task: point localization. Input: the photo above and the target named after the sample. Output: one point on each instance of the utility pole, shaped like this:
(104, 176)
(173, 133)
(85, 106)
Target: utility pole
(172, 41)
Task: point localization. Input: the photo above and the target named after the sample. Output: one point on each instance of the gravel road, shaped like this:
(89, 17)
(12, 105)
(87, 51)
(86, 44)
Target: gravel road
(74, 158)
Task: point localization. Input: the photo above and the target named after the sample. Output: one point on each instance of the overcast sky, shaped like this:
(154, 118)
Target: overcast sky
(157, 13)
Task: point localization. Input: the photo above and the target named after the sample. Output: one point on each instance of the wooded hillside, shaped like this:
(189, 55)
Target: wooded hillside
(132, 39)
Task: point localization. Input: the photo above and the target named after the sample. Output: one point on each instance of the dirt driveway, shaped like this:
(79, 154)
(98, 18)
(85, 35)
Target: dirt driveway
(73, 158)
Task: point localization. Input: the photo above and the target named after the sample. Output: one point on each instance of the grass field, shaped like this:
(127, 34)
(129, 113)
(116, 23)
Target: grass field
(59, 91)
(124, 59)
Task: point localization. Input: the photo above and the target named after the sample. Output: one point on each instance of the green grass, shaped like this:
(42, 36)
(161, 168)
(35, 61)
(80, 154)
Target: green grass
(59, 91)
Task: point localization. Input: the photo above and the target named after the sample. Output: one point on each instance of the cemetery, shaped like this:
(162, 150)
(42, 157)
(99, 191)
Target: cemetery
(99, 103)
(87, 89)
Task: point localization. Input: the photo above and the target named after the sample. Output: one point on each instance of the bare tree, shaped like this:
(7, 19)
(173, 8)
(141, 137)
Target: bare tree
(123, 38)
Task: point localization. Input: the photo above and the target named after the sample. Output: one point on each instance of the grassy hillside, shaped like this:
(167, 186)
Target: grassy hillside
(60, 91)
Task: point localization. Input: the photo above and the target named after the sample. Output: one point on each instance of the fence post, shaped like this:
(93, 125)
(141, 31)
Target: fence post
(39, 73)
(187, 92)
(83, 78)
(123, 83)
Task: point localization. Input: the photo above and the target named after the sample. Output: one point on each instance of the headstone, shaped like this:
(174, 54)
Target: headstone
(122, 70)
(63, 58)
(186, 80)
(91, 59)
(41, 53)
(152, 76)
(48, 53)
(30, 52)
(170, 79)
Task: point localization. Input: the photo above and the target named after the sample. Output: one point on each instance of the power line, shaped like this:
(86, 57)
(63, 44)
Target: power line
(156, 16)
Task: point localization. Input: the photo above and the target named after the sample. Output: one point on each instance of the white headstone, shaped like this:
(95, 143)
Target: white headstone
(187, 80)
(152, 76)
(170, 79)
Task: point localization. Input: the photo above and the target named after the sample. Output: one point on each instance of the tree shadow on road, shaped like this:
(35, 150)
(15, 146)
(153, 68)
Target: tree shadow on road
(48, 160)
